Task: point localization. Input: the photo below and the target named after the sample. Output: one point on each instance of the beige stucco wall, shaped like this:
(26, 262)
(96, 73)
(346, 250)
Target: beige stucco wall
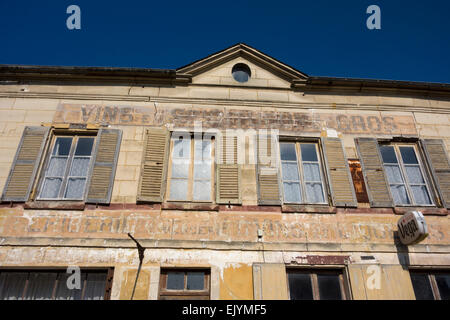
(32, 238)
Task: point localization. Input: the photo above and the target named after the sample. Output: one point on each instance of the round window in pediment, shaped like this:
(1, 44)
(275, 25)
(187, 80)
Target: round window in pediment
(241, 72)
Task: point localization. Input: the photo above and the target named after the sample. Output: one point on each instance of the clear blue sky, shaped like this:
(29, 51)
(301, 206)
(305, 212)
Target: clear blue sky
(318, 37)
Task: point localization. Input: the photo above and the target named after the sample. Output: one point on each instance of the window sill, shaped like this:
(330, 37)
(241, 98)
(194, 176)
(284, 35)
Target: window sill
(426, 211)
(189, 206)
(308, 209)
(58, 205)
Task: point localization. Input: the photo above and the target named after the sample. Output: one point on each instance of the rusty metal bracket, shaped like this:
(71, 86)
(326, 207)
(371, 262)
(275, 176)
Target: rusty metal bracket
(141, 250)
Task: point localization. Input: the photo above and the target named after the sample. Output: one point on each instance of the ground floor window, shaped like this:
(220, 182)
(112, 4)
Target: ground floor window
(192, 284)
(317, 284)
(52, 285)
(431, 285)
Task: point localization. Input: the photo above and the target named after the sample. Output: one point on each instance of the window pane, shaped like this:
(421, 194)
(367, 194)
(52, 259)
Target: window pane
(300, 287)
(308, 152)
(178, 189)
(290, 171)
(408, 155)
(443, 283)
(414, 174)
(51, 187)
(62, 146)
(314, 193)
(388, 154)
(422, 287)
(399, 194)
(394, 174)
(75, 188)
(202, 170)
(180, 168)
(56, 167)
(195, 280)
(95, 286)
(40, 286)
(292, 192)
(63, 292)
(287, 151)
(202, 149)
(175, 280)
(202, 191)
(182, 148)
(12, 285)
(80, 167)
(329, 287)
(311, 171)
(84, 146)
(420, 195)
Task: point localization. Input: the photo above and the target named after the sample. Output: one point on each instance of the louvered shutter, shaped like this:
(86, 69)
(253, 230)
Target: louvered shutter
(437, 158)
(26, 162)
(373, 172)
(341, 185)
(104, 166)
(154, 165)
(228, 171)
(267, 169)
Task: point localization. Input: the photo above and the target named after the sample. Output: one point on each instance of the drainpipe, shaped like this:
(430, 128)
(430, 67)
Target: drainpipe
(141, 250)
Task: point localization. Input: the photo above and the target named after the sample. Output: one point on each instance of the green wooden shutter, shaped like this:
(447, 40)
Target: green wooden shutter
(339, 177)
(437, 158)
(104, 166)
(153, 176)
(26, 162)
(267, 170)
(228, 171)
(372, 167)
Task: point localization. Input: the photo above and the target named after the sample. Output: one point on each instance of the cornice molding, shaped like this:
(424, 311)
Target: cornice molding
(231, 102)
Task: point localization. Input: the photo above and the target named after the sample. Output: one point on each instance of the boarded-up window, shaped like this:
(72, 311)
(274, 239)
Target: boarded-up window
(358, 181)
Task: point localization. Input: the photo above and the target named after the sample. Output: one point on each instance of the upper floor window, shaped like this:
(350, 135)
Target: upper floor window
(67, 167)
(302, 173)
(191, 174)
(405, 175)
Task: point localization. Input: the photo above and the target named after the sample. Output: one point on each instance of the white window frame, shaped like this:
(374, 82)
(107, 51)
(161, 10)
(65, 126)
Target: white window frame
(301, 173)
(75, 137)
(190, 179)
(406, 183)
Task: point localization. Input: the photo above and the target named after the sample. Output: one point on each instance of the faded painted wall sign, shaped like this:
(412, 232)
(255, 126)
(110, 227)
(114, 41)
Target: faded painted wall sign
(224, 118)
(300, 228)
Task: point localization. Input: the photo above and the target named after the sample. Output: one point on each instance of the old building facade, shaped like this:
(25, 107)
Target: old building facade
(242, 177)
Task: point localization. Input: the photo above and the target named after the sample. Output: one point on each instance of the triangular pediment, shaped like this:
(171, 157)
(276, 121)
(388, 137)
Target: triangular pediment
(265, 70)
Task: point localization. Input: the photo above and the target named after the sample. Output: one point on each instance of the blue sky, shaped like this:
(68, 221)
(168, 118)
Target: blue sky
(320, 38)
